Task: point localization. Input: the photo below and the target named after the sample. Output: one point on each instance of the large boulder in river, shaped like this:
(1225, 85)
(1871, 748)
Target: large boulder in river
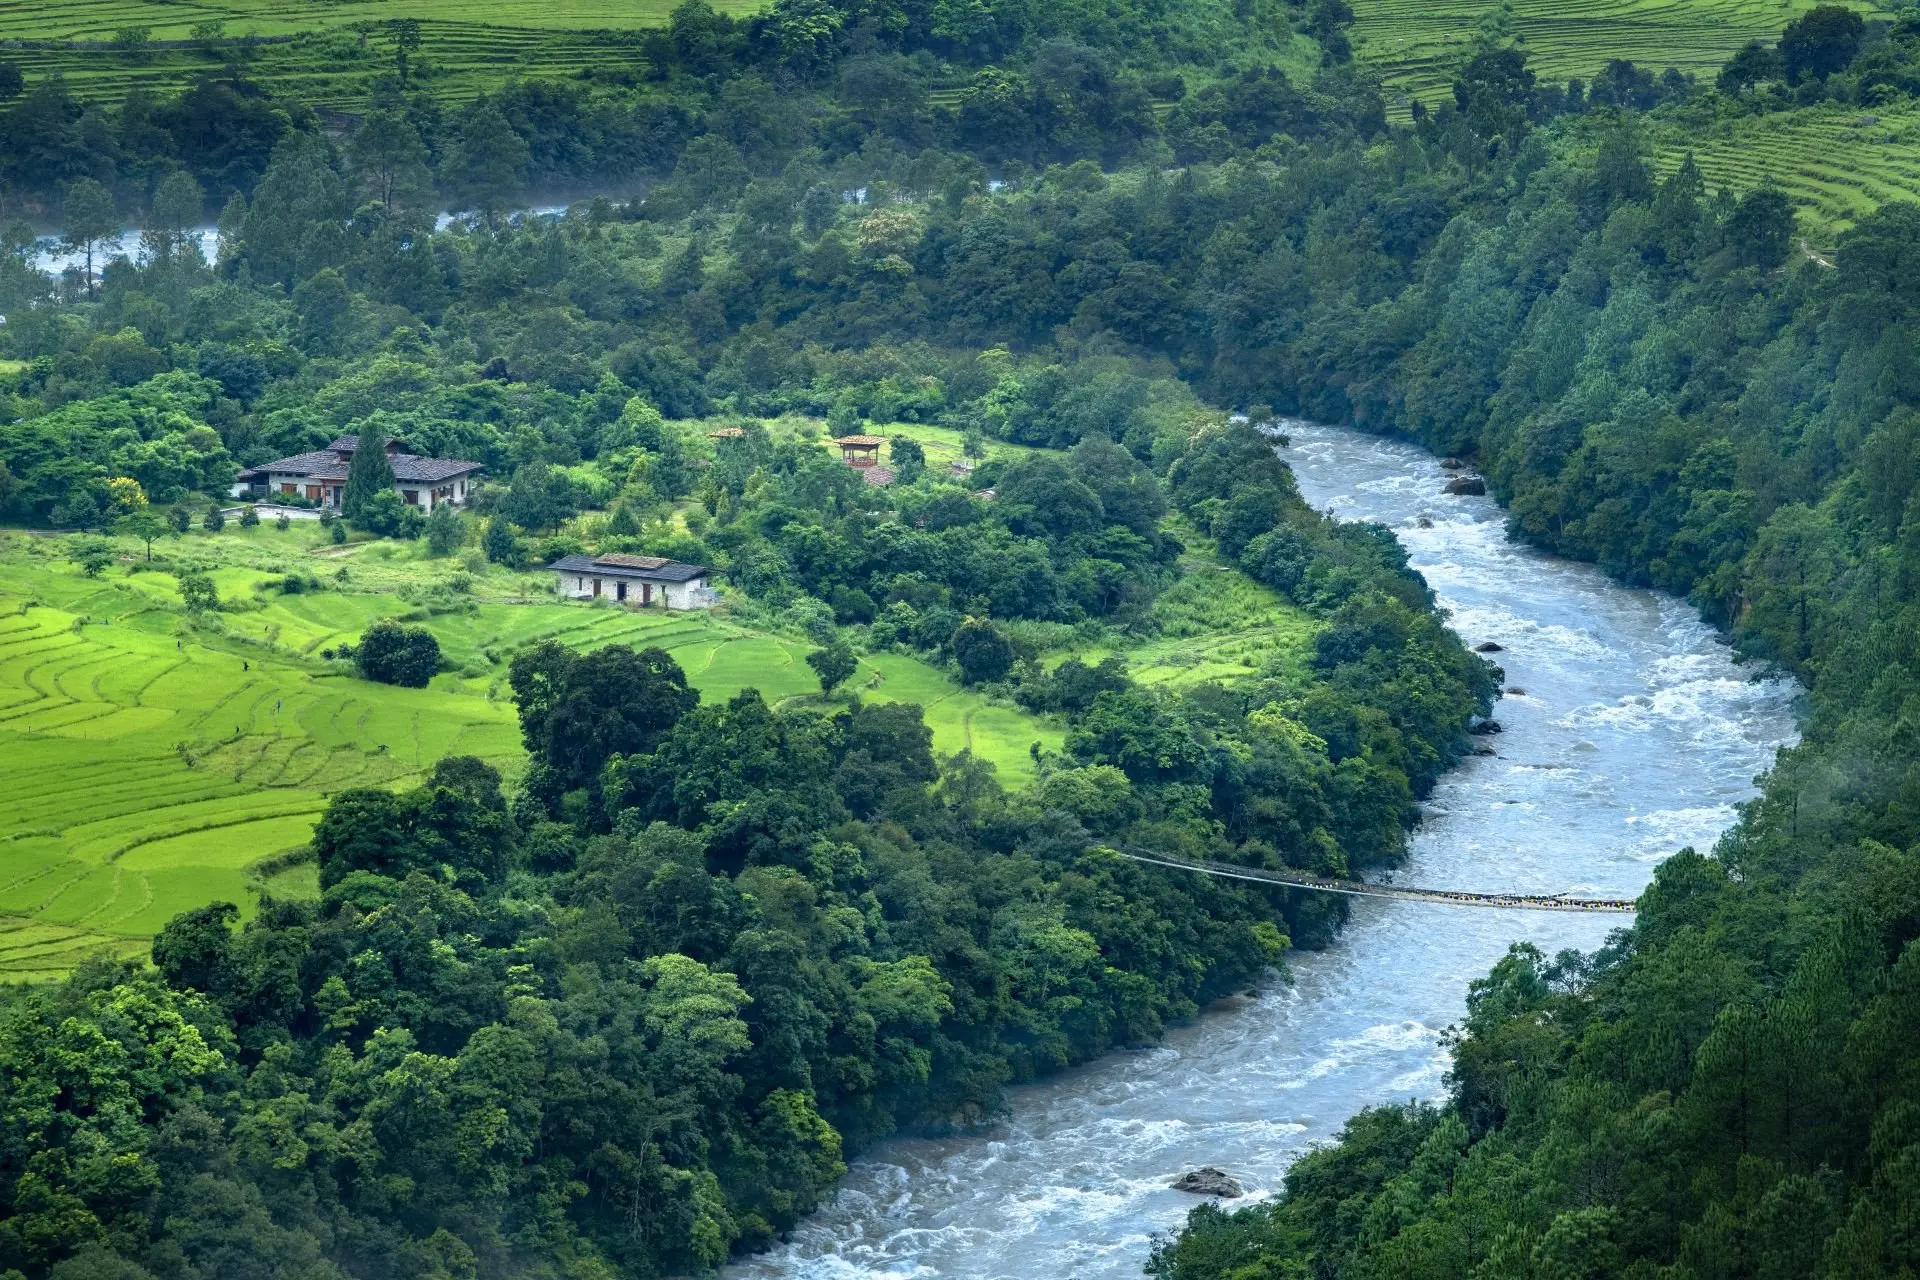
(1209, 1181)
(1489, 646)
(1453, 464)
(1467, 487)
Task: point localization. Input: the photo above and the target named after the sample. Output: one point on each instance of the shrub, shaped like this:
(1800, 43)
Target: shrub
(389, 515)
(199, 593)
(1278, 558)
(249, 516)
(92, 555)
(395, 654)
(500, 544)
(215, 519)
(446, 531)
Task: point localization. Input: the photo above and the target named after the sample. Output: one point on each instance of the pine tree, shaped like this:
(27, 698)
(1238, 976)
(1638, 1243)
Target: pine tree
(500, 545)
(88, 221)
(486, 167)
(368, 474)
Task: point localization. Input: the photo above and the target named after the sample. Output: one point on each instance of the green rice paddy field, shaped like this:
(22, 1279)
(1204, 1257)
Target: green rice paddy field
(150, 763)
(1835, 163)
(326, 52)
(1417, 46)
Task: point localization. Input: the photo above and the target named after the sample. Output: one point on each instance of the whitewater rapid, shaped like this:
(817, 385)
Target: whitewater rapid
(1636, 735)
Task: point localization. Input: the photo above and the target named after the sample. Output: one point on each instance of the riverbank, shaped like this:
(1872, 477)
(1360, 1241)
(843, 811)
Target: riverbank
(1636, 734)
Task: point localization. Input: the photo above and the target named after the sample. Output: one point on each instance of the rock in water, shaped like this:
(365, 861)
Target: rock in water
(1209, 1181)
(1488, 646)
(1467, 487)
(1453, 464)
(1484, 726)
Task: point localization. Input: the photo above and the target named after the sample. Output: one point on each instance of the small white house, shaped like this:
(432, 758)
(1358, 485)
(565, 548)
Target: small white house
(635, 581)
(321, 476)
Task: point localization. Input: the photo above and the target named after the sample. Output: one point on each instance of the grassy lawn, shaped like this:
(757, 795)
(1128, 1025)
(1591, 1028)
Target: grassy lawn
(943, 445)
(148, 764)
(1215, 623)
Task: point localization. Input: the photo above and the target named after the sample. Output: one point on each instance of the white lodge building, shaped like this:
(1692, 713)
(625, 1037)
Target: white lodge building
(634, 581)
(321, 477)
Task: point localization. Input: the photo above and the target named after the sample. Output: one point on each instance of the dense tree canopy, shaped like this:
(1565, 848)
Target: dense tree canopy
(634, 1011)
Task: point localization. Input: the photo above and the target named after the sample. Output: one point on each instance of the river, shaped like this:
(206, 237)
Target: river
(1636, 735)
(49, 256)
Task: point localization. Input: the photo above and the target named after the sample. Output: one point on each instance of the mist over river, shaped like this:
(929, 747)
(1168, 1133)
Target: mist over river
(1636, 735)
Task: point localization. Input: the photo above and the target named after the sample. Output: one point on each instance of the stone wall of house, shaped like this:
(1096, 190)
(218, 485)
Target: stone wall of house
(675, 595)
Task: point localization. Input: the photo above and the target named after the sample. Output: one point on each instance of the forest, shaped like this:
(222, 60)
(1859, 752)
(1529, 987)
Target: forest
(630, 1013)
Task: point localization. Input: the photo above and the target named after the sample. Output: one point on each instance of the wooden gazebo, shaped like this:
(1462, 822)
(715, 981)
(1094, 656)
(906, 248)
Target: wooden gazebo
(860, 451)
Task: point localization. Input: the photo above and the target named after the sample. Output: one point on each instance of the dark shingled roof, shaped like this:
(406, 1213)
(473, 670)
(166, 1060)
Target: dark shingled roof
(652, 568)
(322, 464)
(327, 464)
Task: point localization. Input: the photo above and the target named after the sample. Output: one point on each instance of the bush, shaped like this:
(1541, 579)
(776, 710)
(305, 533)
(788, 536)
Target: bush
(446, 531)
(92, 555)
(1278, 558)
(249, 516)
(284, 523)
(199, 593)
(394, 654)
(339, 534)
(390, 516)
(215, 519)
(851, 605)
(500, 544)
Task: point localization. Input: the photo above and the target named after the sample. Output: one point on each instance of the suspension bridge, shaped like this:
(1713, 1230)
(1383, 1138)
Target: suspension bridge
(1363, 889)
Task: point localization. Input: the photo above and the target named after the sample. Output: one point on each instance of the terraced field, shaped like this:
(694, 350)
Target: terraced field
(1833, 163)
(1417, 46)
(327, 52)
(149, 763)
